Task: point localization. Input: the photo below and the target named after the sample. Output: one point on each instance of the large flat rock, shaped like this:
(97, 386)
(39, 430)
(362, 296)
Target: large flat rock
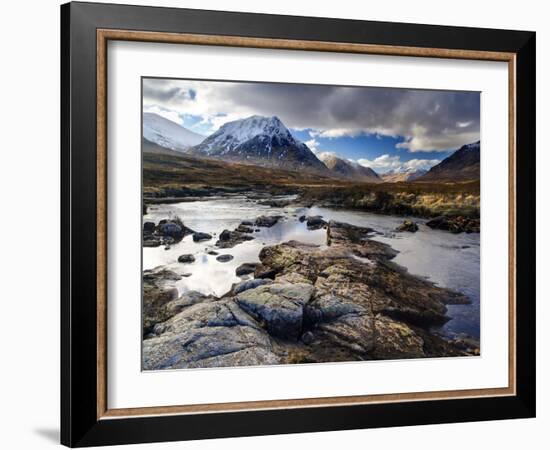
(279, 305)
(208, 335)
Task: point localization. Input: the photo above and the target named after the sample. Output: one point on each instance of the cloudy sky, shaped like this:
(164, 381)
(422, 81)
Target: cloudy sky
(383, 128)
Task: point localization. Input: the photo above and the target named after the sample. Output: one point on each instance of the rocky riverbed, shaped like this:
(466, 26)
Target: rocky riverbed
(337, 297)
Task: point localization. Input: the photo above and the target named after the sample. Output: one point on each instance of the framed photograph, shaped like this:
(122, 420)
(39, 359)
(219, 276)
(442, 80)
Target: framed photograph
(276, 224)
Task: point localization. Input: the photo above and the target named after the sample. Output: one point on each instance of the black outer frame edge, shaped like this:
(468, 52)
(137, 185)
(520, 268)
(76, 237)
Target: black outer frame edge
(178, 20)
(525, 223)
(65, 187)
(79, 426)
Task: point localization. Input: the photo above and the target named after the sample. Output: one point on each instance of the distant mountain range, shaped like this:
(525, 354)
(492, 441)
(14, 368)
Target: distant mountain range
(462, 165)
(258, 140)
(265, 141)
(404, 176)
(168, 134)
(350, 170)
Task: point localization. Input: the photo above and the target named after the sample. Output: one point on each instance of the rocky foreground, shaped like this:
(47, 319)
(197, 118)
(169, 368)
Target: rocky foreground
(346, 301)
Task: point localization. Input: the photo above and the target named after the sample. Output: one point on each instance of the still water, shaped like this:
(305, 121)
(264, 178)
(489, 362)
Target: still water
(449, 260)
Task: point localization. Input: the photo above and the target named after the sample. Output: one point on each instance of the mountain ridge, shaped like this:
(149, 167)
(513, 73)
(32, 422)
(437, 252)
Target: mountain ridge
(462, 165)
(258, 140)
(347, 169)
(394, 176)
(168, 134)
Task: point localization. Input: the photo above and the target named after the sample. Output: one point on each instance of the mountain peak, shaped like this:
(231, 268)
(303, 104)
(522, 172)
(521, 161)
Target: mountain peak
(258, 140)
(234, 133)
(462, 165)
(344, 168)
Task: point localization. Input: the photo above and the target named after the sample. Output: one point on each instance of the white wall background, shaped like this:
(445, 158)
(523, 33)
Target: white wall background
(29, 184)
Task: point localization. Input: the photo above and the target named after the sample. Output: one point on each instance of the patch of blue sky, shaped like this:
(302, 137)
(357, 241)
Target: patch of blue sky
(367, 146)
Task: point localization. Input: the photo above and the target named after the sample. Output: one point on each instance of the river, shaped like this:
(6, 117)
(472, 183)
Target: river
(449, 260)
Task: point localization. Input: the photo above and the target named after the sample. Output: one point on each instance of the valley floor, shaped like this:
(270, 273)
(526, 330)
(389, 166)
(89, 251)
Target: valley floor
(171, 177)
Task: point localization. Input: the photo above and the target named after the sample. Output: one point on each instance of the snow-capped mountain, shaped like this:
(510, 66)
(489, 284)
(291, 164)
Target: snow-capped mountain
(347, 169)
(258, 140)
(396, 176)
(462, 165)
(168, 134)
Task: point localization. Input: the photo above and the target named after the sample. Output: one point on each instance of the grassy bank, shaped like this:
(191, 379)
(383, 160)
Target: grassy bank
(406, 199)
(169, 174)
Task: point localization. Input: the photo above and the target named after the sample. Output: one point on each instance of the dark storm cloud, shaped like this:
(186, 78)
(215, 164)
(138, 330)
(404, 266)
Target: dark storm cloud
(427, 120)
(163, 91)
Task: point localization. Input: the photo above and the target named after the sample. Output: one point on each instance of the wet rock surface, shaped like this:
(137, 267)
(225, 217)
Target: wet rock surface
(245, 269)
(158, 291)
(186, 259)
(248, 284)
(276, 203)
(215, 334)
(342, 301)
(229, 239)
(455, 224)
(280, 306)
(199, 237)
(267, 221)
(408, 225)
(166, 232)
(313, 222)
(224, 258)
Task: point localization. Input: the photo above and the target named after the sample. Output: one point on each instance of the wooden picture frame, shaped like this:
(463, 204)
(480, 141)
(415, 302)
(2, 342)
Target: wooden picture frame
(86, 418)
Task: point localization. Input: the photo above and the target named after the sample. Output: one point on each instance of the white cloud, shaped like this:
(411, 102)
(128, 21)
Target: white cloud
(313, 145)
(386, 163)
(445, 141)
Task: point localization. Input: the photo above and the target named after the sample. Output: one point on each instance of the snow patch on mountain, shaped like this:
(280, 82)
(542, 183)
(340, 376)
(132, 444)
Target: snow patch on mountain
(233, 134)
(168, 134)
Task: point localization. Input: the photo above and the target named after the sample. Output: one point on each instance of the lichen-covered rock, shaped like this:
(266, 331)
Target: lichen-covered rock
(341, 302)
(279, 305)
(292, 277)
(455, 224)
(395, 340)
(244, 229)
(408, 225)
(248, 356)
(315, 222)
(249, 284)
(264, 272)
(353, 332)
(355, 277)
(328, 307)
(157, 293)
(212, 334)
(229, 239)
